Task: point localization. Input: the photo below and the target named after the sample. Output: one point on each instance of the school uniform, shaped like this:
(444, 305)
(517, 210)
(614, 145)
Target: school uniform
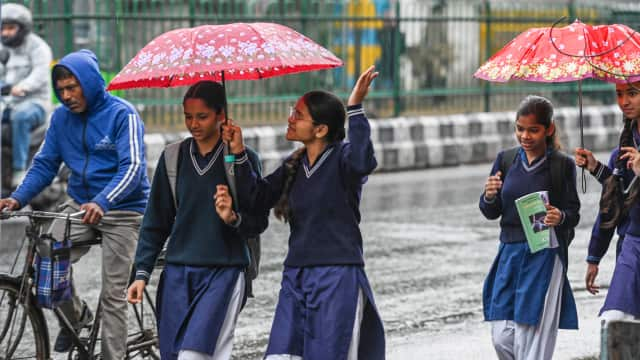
(202, 285)
(526, 296)
(324, 276)
(601, 238)
(624, 289)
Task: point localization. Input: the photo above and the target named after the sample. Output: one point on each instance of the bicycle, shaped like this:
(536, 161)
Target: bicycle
(18, 306)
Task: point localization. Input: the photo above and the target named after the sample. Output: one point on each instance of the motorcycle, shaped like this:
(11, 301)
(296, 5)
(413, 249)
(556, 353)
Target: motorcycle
(53, 195)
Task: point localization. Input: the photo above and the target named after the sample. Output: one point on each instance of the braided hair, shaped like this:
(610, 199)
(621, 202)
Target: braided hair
(614, 205)
(325, 109)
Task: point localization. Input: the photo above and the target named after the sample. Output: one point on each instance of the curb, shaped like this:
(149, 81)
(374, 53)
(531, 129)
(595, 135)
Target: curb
(419, 142)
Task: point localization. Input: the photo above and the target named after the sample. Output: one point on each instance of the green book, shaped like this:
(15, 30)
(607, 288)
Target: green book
(532, 211)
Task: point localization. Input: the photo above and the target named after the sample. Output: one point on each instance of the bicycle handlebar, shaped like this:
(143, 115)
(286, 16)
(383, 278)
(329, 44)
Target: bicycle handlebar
(42, 215)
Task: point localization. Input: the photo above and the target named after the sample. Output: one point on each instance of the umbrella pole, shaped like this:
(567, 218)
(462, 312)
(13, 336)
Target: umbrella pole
(583, 181)
(229, 157)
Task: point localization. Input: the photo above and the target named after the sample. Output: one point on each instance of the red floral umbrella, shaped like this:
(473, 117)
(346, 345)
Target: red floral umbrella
(578, 51)
(238, 51)
(575, 52)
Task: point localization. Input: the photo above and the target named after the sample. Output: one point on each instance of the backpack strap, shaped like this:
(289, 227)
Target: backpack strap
(558, 168)
(171, 153)
(508, 156)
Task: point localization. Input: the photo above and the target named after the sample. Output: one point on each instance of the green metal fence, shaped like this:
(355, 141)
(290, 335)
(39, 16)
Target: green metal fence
(426, 50)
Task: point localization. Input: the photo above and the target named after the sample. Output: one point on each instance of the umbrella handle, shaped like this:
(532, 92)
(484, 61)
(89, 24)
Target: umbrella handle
(230, 157)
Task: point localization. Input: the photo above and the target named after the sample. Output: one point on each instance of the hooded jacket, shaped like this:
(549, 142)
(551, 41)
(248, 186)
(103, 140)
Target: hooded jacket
(103, 146)
(28, 63)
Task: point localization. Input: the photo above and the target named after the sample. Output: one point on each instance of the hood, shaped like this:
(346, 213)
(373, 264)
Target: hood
(83, 64)
(18, 14)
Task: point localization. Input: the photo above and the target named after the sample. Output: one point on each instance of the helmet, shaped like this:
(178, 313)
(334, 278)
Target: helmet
(19, 15)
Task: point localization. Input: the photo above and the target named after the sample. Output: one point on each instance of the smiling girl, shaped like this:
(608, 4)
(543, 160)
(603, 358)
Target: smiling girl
(201, 288)
(527, 296)
(325, 307)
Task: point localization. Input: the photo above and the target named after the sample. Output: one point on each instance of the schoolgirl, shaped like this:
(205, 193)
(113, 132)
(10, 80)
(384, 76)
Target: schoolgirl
(620, 200)
(201, 288)
(325, 307)
(527, 296)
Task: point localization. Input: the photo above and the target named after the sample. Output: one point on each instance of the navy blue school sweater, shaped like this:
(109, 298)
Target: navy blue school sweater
(601, 238)
(324, 198)
(521, 180)
(197, 236)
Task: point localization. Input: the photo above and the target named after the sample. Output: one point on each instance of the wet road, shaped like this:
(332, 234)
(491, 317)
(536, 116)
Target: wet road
(427, 250)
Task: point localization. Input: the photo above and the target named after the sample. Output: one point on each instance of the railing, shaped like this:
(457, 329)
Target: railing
(426, 50)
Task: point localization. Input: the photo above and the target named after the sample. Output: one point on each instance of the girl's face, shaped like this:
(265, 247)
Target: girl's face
(629, 99)
(301, 126)
(201, 121)
(532, 135)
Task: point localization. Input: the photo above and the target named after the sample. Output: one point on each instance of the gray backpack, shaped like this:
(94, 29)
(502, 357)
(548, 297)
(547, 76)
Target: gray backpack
(171, 154)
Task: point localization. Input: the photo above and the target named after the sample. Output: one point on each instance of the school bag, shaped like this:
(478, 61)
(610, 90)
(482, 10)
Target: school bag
(52, 270)
(558, 165)
(171, 154)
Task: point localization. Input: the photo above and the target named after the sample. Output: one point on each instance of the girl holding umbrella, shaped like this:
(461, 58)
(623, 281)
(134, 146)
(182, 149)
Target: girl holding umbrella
(526, 295)
(202, 287)
(325, 307)
(620, 206)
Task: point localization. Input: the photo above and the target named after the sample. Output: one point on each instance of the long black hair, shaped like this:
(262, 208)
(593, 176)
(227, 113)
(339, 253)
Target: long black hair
(325, 109)
(210, 92)
(542, 109)
(614, 204)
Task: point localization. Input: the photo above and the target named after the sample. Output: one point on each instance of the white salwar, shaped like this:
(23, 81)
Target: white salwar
(224, 343)
(513, 341)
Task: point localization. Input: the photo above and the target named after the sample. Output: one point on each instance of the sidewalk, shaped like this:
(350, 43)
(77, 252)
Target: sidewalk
(474, 339)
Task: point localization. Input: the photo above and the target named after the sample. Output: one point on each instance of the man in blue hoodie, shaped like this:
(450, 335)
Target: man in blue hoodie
(100, 138)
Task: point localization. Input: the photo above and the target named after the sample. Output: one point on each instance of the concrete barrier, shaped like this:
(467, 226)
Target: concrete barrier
(621, 341)
(434, 141)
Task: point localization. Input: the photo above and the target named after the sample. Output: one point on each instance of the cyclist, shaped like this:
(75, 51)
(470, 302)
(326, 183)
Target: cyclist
(100, 138)
(25, 78)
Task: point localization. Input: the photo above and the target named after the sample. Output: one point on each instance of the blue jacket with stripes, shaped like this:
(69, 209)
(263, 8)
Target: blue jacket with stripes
(102, 146)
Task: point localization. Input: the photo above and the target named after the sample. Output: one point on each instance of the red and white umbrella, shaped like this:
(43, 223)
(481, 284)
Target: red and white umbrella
(238, 51)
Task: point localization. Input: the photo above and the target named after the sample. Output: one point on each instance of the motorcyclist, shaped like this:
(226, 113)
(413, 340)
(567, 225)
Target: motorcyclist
(26, 79)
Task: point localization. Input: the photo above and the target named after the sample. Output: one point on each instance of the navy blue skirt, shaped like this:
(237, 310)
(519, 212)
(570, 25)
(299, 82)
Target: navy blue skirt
(192, 304)
(517, 285)
(316, 312)
(624, 291)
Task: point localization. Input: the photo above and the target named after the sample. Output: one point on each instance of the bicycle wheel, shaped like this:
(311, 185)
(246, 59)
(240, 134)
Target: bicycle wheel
(23, 330)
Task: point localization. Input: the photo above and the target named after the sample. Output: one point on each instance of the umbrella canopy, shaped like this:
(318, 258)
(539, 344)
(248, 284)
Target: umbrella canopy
(238, 51)
(578, 51)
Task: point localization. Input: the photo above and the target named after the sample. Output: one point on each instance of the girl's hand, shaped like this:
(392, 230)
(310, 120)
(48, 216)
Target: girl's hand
(492, 186)
(361, 88)
(585, 159)
(554, 216)
(134, 294)
(224, 205)
(633, 159)
(233, 135)
(590, 279)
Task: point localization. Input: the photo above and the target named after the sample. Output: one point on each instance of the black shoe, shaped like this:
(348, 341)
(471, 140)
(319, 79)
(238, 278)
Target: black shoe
(64, 340)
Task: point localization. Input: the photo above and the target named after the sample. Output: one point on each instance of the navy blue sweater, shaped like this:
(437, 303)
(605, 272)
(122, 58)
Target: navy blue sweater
(197, 236)
(519, 182)
(324, 198)
(601, 238)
